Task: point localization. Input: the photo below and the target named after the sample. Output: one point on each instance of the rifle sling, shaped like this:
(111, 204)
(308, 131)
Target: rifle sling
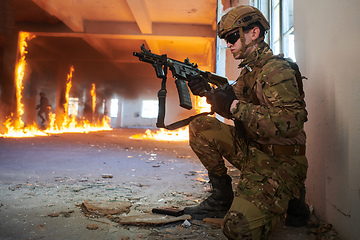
(186, 121)
(162, 96)
(161, 115)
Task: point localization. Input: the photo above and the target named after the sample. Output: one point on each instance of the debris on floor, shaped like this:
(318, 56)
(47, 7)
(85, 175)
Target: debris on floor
(64, 188)
(92, 226)
(322, 231)
(105, 208)
(61, 214)
(107, 176)
(151, 219)
(213, 221)
(326, 232)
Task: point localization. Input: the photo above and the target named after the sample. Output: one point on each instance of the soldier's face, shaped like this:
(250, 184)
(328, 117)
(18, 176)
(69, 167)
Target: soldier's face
(249, 36)
(233, 46)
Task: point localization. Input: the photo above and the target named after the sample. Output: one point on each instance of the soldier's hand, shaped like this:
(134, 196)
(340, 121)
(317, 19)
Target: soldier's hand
(198, 85)
(221, 100)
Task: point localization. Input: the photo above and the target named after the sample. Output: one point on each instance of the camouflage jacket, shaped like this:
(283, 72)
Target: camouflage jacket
(270, 105)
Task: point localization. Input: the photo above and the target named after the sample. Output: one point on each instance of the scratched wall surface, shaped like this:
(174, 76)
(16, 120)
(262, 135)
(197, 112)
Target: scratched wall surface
(329, 58)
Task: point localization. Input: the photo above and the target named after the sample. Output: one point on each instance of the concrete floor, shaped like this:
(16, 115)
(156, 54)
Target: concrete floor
(55, 174)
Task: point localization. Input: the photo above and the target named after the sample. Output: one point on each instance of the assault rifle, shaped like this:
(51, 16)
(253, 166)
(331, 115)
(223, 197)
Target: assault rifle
(182, 72)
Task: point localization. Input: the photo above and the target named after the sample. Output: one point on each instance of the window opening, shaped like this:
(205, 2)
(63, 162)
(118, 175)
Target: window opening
(149, 109)
(280, 14)
(114, 107)
(73, 106)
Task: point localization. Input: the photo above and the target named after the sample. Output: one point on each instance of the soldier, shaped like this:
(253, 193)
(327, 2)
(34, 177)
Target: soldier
(266, 143)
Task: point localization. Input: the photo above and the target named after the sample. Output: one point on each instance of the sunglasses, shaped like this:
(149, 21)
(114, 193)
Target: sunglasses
(232, 38)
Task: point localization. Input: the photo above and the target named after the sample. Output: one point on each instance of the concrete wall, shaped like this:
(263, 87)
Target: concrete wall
(327, 37)
(131, 115)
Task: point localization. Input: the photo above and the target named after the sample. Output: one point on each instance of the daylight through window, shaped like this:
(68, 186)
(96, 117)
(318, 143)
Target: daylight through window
(280, 14)
(149, 109)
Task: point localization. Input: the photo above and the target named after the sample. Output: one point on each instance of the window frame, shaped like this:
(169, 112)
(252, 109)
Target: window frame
(267, 7)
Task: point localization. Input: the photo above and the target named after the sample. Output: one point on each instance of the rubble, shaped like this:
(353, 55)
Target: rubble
(107, 176)
(152, 219)
(105, 208)
(186, 224)
(62, 214)
(213, 221)
(92, 226)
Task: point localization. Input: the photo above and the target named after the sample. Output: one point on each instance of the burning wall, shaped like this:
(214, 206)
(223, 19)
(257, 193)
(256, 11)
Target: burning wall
(16, 127)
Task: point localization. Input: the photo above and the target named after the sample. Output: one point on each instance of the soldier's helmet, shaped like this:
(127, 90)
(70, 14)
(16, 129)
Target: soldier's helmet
(240, 17)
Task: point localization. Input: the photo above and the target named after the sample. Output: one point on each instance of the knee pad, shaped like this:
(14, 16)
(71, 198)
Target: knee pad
(236, 226)
(244, 221)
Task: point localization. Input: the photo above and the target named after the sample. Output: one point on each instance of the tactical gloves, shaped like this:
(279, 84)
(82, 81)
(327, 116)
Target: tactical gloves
(221, 100)
(198, 85)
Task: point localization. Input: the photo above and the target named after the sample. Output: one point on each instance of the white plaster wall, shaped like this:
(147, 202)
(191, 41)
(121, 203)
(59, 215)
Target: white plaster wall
(327, 37)
(131, 115)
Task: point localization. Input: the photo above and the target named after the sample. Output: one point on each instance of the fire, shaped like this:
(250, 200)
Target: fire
(181, 134)
(68, 87)
(164, 135)
(201, 105)
(70, 123)
(14, 131)
(16, 128)
(93, 96)
(19, 76)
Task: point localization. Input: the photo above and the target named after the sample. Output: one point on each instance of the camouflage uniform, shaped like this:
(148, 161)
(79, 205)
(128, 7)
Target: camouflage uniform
(272, 112)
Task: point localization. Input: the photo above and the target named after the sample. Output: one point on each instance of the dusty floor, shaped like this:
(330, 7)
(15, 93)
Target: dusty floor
(55, 174)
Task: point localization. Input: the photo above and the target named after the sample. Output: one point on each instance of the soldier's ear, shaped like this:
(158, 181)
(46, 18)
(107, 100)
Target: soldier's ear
(255, 33)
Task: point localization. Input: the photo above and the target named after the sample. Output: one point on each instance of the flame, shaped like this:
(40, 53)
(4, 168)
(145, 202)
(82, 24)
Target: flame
(70, 123)
(93, 96)
(201, 105)
(19, 76)
(15, 128)
(181, 134)
(15, 132)
(67, 92)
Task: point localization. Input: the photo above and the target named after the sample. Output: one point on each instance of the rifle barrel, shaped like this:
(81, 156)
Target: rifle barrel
(136, 54)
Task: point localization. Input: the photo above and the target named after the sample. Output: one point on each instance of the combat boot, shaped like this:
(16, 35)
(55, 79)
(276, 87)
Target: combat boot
(218, 203)
(298, 213)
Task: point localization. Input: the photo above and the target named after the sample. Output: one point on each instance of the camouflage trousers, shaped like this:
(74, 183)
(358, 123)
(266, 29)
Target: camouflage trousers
(266, 184)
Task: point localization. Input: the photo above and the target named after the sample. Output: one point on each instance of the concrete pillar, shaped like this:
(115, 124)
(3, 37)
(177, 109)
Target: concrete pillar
(63, 71)
(87, 112)
(120, 109)
(9, 59)
(32, 98)
(107, 107)
(8, 97)
(101, 103)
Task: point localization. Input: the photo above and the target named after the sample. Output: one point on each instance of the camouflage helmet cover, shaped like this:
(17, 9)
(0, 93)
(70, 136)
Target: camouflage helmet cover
(240, 16)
